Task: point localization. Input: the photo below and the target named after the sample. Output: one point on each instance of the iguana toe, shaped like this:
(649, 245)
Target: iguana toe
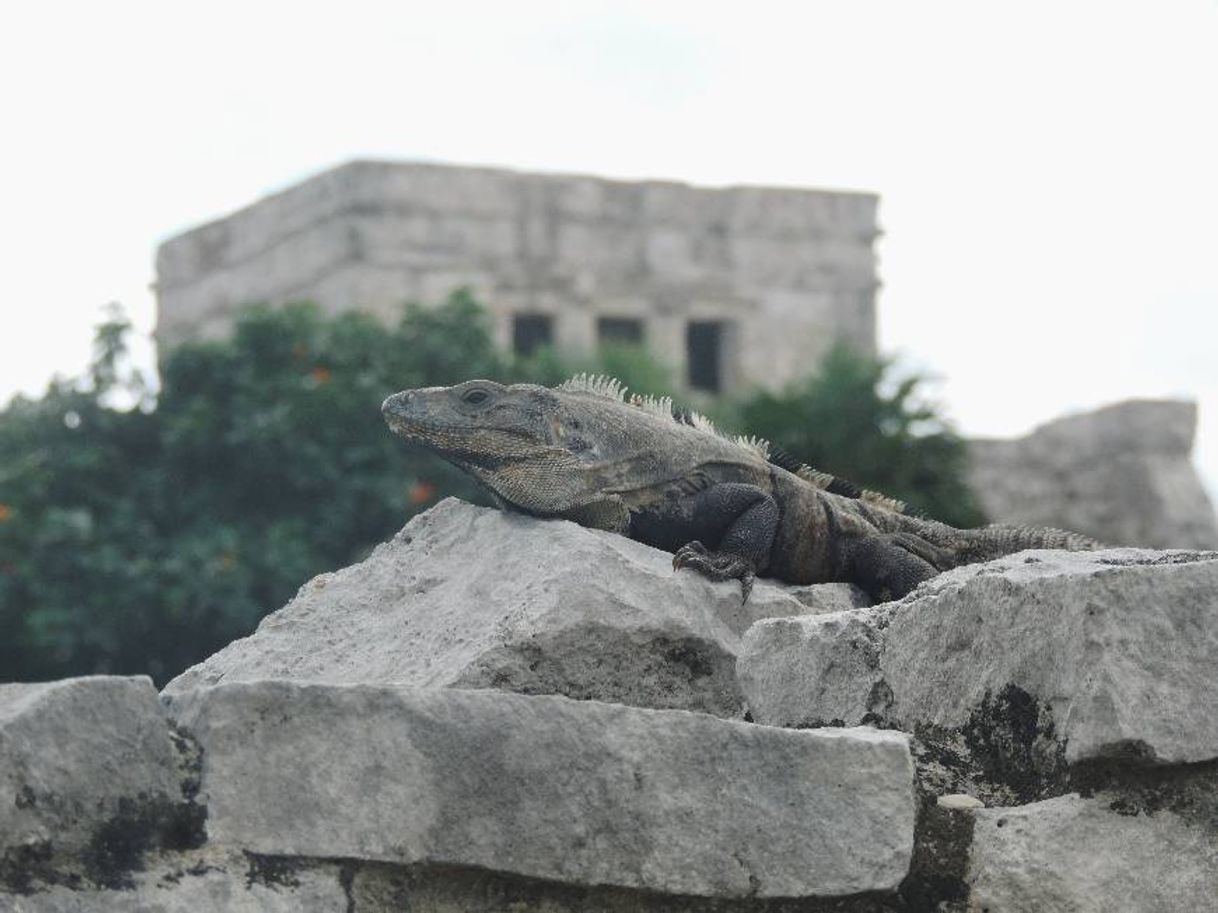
(686, 553)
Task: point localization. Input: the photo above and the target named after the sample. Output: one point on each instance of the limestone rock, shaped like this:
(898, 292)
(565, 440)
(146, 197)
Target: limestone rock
(1077, 855)
(474, 598)
(84, 762)
(546, 787)
(1116, 653)
(1122, 474)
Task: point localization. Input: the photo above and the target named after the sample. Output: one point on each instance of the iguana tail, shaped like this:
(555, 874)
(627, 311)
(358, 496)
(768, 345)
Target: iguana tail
(998, 539)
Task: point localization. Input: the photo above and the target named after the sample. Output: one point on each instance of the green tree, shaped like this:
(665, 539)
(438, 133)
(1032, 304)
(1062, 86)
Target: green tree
(856, 419)
(143, 539)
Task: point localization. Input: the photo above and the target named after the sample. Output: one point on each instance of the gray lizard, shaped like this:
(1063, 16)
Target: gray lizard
(584, 451)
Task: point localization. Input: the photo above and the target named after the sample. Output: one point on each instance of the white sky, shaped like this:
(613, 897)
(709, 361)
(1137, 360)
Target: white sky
(1048, 170)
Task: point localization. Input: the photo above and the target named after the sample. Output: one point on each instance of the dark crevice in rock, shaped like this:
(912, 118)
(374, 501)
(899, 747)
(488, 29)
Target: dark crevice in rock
(942, 840)
(346, 880)
(1130, 788)
(1155, 560)
(383, 887)
(190, 761)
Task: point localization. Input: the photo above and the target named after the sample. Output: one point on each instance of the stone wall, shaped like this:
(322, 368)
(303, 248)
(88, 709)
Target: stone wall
(786, 272)
(498, 713)
(1122, 474)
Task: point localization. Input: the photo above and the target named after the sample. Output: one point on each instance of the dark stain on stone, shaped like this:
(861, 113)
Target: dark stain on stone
(684, 653)
(273, 871)
(24, 867)
(117, 847)
(113, 852)
(190, 761)
(1012, 740)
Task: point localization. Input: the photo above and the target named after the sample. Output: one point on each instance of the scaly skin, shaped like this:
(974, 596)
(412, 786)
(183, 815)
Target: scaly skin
(584, 452)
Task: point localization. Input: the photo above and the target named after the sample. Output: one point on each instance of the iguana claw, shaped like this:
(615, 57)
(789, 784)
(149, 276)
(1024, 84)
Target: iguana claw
(716, 566)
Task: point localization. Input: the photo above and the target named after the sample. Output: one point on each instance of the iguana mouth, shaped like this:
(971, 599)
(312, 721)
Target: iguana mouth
(408, 423)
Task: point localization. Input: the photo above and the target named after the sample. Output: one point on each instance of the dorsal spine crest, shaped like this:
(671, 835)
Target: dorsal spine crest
(662, 407)
(596, 384)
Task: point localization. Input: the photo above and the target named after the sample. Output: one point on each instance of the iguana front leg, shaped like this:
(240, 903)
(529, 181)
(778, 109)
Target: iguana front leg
(742, 520)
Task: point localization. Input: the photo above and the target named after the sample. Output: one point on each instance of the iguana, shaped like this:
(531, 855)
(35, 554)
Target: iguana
(584, 451)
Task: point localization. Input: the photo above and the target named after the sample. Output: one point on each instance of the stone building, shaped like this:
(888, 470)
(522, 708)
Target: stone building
(733, 287)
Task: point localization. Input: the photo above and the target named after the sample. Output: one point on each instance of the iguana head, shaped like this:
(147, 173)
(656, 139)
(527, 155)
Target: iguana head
(581, 450)
(528, 444)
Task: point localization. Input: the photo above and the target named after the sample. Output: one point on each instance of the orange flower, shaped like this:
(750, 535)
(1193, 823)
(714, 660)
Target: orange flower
(320, 375)
(5, 512)
(421, 492)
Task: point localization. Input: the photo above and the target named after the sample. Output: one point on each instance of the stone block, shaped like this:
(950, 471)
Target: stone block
(475, 598)
(575, 792)
(87, 767)
(1115, 652)
(1078, 855)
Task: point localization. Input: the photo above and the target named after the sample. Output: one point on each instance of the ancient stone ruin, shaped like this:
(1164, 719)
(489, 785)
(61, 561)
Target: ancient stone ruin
(733, 287)
(497, 713)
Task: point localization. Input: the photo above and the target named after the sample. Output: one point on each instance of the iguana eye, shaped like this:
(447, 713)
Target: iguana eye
(474, 397)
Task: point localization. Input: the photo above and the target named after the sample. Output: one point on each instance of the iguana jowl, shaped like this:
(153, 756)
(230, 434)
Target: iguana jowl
(585, 452)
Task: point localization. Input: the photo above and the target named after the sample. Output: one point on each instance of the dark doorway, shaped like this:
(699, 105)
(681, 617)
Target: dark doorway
(619, 330)
(704, 355)
(530, 332)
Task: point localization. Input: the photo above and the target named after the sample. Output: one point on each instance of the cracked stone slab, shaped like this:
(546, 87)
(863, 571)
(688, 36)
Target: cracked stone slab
(1117, 649)
(80, 759)
(469, 597)
(1079, 855)
(546, 787)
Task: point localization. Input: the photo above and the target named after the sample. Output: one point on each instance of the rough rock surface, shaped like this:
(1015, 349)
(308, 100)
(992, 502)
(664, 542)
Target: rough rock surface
(469, 597)
(1062, 751)
(1122, 474)
(1078, 855)
(1116, 651)
(545, 787)
(86, 764)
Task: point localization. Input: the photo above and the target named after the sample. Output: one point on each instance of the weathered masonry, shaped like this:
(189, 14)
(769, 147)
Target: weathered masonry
(733, 287)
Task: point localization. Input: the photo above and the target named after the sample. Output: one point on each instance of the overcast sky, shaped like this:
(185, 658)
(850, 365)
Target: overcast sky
(1047, 170)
